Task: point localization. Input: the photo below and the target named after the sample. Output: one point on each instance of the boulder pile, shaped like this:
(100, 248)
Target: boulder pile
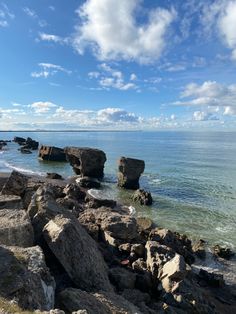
(62, 246)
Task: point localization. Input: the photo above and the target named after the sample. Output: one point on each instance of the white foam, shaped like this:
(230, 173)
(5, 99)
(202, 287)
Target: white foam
(23, 170)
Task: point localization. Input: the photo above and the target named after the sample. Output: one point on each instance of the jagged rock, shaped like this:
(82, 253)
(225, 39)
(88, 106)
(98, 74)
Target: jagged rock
(73, 191)
(3, 179)
(16, 184)
(15, 228)
(143, 197)
(175, 269)
(222, 252)
(19, 140)
(144, 224)
(138, 249)
(211, 279)
(51, 153)
(88, 183)
(129, 171)
(199, 249)
(54, 176)
(78, 253)
(179, 243)
(26, 278)
(122, 278)
(125, 248)
(24, 150)
(86, 161)
(97, 303)
(10, 202)
(31, 144)
(96, 199)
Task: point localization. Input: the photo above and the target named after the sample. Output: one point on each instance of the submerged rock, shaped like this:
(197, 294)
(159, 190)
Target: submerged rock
(15, 228)
(86, 161)
(223, 252)
(129, 171)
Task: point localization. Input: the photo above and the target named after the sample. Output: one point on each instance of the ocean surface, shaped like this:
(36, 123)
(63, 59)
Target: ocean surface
(192, 176)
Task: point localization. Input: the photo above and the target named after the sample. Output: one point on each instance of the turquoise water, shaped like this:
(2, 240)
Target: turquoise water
(192, 176)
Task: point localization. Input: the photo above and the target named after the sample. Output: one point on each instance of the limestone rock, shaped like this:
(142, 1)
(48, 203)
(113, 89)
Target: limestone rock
(51, 153)
(88, 183)
(10, 202)
(25, 278)
(129, 171)
(143, 197)
(96, 199)
(86, 161)
(78, 253)
(175, 269)
(222, 252)
(15, 228)
(16, 184)
(97, 303)
(122, 278)
(199, 249)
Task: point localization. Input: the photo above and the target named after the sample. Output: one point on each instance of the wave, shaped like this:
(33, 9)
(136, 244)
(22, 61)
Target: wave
(23, 170)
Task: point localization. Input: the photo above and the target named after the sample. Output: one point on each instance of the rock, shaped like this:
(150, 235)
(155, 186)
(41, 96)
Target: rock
(73, 191)
(54, 176)
(199, 249)
(56, 311)
(135, 296)
(179, 243)
(31, 144)
(144, 224)
(86, 161)
(96, 199)
(10, 202)
(143, 197)
(3, 179)
(122, 278)
(15, 228)
(24, 150)
(51, 153)
(125, 248)
(16, 184)
(88, 183)
(19, 140)
(78, 253)
(211, 279)
(222, 252)
(25, 278)
(175, 269)
(129, 171)
(99, 303)
(138, 249)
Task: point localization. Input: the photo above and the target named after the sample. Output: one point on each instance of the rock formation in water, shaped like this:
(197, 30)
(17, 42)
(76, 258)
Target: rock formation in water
(129, 172)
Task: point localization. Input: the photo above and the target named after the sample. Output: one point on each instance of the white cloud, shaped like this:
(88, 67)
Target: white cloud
(5, 15)
(203, 116)
(93, 74)
(116, 115)
(53, 38)
(230, 111)
(32, 14)
(133, 77)
(42, 107)
(110, 28)
(49, 69)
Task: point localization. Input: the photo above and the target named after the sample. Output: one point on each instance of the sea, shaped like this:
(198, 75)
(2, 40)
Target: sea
(191, 175)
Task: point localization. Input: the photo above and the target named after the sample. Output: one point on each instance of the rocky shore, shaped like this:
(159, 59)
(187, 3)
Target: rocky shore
(66, 249)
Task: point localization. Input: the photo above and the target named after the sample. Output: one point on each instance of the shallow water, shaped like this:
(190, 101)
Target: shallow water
(192, 176)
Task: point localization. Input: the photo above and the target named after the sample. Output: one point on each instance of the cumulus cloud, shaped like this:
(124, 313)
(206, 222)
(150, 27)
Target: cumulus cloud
(116, 115)
(49, 69)
(53, 38)
(42, 107)
(111, 29)
(230, 111)
(203, 116)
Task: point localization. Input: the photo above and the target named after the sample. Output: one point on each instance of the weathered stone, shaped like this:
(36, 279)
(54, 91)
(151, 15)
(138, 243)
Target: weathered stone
(138, 249)
(24, 150)
(10, 202)
(25, 278)
(222, 252)
(16, 184)
(175, 269)
(143, 197)
(125, 248)
(88, 183)
(211, 279)
(179, 243)
(122, 278)
(51, 153)
(78, 253)
(3, 179)
(144, 224)
(15, 228)
(199, 249)
(31, 144)
(54, 176)
(74, 191)
(96, 199)
(86, 161)
(99, 303)
(129, 171)
(19, 140)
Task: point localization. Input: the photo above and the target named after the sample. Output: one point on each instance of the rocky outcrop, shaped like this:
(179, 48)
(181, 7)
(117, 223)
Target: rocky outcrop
(78, 253)
(88, 183)
(19, 140)
(26, 144)
(96, 198)
(26, 278)
(99, 303)
(129, 172)
(10, 202)
(54, 176)
(86, 161)
(52, 153)
(143, 197)
(16, 184)
(15, 228)
(222, 252)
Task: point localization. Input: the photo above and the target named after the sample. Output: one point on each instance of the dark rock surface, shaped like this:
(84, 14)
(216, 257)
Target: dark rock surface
(143, 197)
(129, 172)
(15, 184)
(86, 161)
(52, 153)
(10, 202)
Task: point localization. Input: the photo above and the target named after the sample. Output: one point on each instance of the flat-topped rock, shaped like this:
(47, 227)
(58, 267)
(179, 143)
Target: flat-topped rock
(10, 202)
(86, 161)
(52, 153)
(129, 172)
(15, 228)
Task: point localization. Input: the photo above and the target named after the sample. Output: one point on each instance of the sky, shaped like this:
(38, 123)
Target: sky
(118, 65)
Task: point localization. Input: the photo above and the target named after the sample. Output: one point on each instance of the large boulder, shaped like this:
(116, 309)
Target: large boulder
(30, 144)
(26, 278)
(51, 153)
(15, 228)
(97, 303)
(16, 184)
(78, 253)
(96, 198)
(10, 202)
(142, 197)
(86, 161)
(129, 171)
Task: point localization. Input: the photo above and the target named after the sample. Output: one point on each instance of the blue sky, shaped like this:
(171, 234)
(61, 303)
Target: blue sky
(124, 64)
